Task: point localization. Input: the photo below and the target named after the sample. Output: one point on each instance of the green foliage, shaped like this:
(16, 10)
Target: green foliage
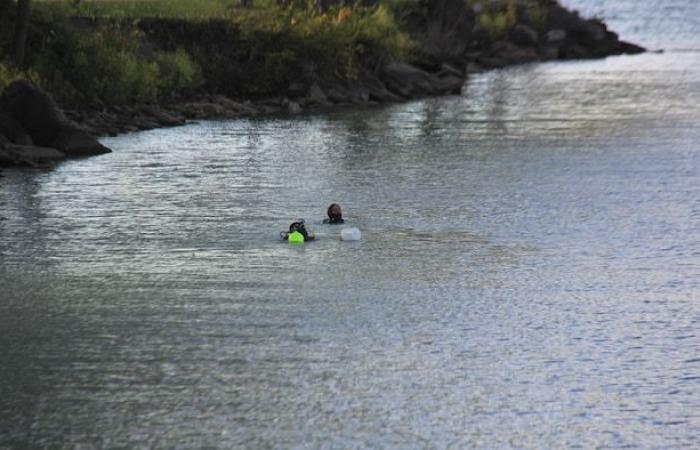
(400, 7)
(8, 74)
(537, 15)
(93, 52)
(498, 23)
(121, 9)
(339, 41)
(106, 66)
(177, 71)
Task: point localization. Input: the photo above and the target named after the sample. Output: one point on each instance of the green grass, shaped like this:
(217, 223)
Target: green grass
(124, 9)
(8, 74)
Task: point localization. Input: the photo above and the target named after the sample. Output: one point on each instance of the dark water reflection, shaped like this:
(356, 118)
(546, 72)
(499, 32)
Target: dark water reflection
(529, 275)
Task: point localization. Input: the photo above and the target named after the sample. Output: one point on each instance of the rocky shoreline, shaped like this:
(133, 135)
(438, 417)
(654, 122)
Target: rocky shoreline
(34, 131)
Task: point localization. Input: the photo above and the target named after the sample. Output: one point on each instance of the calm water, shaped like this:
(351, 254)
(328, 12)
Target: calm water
(529, 274)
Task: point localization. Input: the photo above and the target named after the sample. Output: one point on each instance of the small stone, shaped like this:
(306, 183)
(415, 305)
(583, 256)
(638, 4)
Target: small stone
(316, 95)
(555, 36)
(293, 108)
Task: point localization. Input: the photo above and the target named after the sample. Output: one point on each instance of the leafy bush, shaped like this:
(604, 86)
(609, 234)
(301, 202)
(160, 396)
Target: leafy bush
(339, 41)
(123, 9)
(8, 74)
(537, 15)
(177, 71)
(107, 66)
(99, 66)
(498, 23)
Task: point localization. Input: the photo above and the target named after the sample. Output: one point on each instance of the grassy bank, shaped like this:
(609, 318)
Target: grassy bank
(113, 52)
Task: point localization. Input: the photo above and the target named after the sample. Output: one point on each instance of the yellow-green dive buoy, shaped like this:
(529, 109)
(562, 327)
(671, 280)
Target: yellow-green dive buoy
(295, 238)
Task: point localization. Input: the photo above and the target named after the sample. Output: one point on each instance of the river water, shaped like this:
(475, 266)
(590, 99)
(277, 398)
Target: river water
(529, 274)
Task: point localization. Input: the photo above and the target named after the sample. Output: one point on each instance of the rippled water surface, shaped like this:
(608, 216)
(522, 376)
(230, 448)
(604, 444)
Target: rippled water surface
(529, 274)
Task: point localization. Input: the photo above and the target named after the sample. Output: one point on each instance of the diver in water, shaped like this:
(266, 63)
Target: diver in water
(335, 215)
(298, 226)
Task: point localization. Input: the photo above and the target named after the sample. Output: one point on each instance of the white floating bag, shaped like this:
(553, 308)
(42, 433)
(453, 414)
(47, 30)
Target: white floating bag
(350, 234)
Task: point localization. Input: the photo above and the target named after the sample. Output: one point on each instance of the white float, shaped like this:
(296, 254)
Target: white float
(350, 234)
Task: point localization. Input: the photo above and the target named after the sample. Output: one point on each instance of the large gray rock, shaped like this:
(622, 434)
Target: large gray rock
(376, 89)
(293, 107)
(13, 131)
(316, 95)
(76, 142)
(556, 36)
(447, 83)
(354, 93)
(36, 111)
(407, 81)
(587, 33)
(163, 117)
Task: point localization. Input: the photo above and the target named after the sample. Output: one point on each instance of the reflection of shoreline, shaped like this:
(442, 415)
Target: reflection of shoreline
(22, 222)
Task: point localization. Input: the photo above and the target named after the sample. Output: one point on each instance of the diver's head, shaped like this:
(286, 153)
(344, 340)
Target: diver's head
(334, 212)
(297, 226)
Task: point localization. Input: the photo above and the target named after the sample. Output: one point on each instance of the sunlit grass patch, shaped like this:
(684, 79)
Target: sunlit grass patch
(341, 38)
(121, 9)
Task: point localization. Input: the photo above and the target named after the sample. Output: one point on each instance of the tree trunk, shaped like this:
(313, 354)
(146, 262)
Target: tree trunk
(21, 29)
(4, 10)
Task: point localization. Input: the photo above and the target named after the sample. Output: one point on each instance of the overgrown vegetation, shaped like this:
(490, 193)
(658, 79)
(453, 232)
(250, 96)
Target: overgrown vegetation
(340, 41)
(498, 22)
(499, 18)
(8, 74)
(107, 65)
(110, 52)
(123, 9)
(536, 15)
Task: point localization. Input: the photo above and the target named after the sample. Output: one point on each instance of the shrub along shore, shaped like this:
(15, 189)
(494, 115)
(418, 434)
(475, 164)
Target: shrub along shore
(111, 66)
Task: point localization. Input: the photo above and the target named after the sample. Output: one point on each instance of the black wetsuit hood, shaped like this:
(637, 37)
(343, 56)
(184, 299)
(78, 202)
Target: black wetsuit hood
(333, 218)
(300, 227)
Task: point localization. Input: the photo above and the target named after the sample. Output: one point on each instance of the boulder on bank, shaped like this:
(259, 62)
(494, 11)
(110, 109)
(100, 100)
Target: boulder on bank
(45, 123)
(407, 81)
(316, 96)
(376, 89)
(13, 131)
(576, 37)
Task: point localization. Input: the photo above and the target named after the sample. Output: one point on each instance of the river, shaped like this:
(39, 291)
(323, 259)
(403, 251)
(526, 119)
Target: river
(528, 277)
